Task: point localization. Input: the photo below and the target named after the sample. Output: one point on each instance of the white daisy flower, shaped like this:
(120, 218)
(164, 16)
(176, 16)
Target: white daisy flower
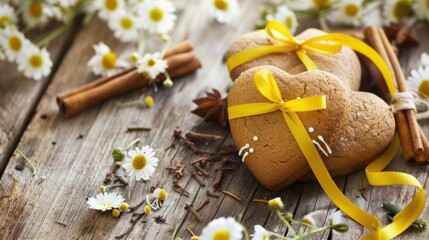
(151, 65)
(37, 13)
(421, 8)
(7, 15)
(424, 60)
(105, 201)
(299, 5)
(106, 7)
(141, 163)
(35, 63)
(348, 12)
(260, 233)
(224, 10)
(124, 26)
(158, 16)
(13, 42)
(222, 228)
(321, 3)
(105, 62)
(394, 11)
(419, 81)
(313, 218)
(160, 194)
(285, 16)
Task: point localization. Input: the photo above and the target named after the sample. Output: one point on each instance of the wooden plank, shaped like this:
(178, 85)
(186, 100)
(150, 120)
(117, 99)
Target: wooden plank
(74, 167)
(19, 96)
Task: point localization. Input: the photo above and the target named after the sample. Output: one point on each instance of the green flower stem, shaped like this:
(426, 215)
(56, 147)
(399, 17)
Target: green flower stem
(141, 45)
(167, 76)
(53, 35)
(131, 144)
(174, 232)
(190, 231)
(279, 214)
(165, 48)
(108, 187)
(28, 161)
(246, 234)
(131, 103)
(312, 232)
(276, 235)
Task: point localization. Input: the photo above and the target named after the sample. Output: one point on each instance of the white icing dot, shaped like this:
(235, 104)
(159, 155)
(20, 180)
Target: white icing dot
(251, 150)
(255, 138)
(311, 129)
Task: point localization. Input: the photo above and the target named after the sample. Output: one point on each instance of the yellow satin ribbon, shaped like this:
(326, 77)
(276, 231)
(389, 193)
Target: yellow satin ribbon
(267, 86)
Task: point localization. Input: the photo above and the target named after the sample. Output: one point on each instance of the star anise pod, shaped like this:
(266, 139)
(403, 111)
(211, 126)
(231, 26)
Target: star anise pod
(400, 36)
(213, 108)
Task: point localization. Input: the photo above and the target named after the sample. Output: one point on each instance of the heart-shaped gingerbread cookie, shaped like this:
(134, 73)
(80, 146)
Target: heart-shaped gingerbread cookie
(273, 155)
(344, 64)
(370, 130)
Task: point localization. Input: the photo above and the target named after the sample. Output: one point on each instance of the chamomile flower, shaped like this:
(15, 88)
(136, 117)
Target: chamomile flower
(151, 65)
(223, 228)
(141, 163)
(394, 11)
(160, 194)
(424, 60)
(260, 233)
(105, 62)
(35, 63)
(158, 16)
(275, 204)
(105, 201)
(13, 42)
(7, 15)
(124, 26)
(106, 7)
(421, 8)
(285, 16)
(313, 218)
(419, 81)
(321, 3)
(37, 13)
(224, 10)
(348, 12)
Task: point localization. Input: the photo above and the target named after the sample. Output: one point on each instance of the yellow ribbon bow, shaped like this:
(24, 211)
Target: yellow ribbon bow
(268, 87)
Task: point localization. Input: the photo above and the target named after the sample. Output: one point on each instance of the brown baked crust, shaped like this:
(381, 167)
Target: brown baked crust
(282, 162)
(344, 64)
(370, 130)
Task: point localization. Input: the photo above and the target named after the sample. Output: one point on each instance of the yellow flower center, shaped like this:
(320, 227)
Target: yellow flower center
(139, 162)
(289, 22)
(151, 62)
(149, 100)
(36, 61)
(221, 4)
(111, 5)
(162, 195)
(156, 14)
(35, 9)
(322, 3)
(424, 88)
(4, 19)
(221, 234)
(401, 9)
(106, 204)
(126, 23)
(351, 10)
(109, 60)
(116, 213)
(15, 43)
(147, 209)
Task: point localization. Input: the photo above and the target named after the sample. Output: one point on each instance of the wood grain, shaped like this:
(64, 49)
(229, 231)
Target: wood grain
(73, 155)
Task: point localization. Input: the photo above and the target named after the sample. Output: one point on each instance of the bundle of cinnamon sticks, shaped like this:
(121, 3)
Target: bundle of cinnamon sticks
(181, 60)
(414, 144)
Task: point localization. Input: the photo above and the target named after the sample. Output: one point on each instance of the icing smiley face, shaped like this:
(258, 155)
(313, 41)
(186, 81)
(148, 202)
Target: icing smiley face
(277, 160)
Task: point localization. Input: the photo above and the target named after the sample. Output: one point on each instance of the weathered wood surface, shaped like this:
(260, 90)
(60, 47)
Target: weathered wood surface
(73, 155)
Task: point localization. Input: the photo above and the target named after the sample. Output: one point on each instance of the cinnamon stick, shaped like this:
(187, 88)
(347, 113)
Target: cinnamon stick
(402, 87)
(181, 60)
(414, 144)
